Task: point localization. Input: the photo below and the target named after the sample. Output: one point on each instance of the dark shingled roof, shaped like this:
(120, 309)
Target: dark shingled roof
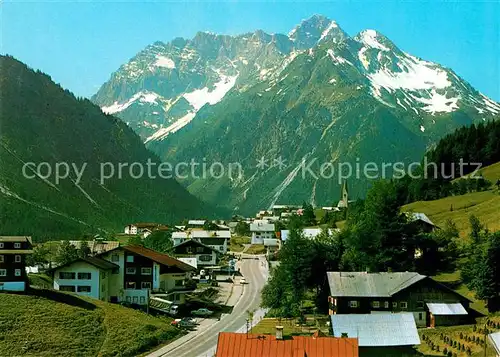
(158, 257)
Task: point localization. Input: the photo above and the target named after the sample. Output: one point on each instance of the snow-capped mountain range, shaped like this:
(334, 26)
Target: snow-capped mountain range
(162, 88)
(313, 93)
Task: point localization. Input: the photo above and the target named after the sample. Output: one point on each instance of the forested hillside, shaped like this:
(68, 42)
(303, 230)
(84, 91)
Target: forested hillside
(42, 123)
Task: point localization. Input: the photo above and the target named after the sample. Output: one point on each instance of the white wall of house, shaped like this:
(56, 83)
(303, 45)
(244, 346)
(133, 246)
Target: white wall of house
(80, 267)
(130, 229)
(420, 318)
(115, 282)
(168, 281)
(258, 237)
(136, 296)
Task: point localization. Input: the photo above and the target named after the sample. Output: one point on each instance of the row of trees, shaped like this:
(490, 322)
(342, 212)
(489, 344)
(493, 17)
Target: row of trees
(481, 267)
(377, 237)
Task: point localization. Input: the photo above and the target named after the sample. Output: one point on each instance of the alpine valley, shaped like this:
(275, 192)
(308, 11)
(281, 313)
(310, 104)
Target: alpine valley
(42, 124)
(316, 94)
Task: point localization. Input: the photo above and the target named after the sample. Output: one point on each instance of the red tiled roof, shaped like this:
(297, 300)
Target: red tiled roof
(240, 345)
(158, 257)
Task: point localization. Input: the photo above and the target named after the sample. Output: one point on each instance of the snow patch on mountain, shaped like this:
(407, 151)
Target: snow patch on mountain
(369, 38)
(180, 123)
(415, 75)
(330, 27)
(199, 97)
(337, 59)
(162, 61)
(362, 57)
(491, 105)
(438, 103)
(142, 96)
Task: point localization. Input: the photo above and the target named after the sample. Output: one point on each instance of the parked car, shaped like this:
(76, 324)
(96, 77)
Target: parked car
(243, 281)
(184, 323)
(202, 312)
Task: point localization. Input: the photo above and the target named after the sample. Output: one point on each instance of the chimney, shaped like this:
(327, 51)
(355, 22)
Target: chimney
(279, 332)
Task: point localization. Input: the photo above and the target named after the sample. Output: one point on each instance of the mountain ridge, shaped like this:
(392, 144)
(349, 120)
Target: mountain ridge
(346, 95)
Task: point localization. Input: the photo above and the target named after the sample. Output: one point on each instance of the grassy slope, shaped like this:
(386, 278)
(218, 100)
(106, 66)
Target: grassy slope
(38, 326)
(485, 205)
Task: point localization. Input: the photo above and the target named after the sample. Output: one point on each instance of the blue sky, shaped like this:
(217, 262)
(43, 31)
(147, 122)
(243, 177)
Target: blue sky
(79, 44)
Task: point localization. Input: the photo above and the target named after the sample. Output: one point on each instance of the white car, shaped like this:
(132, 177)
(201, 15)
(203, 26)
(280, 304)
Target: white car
(243, 281)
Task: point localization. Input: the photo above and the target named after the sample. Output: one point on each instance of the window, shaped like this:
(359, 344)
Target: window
(353, 304)
(420, 316)
(103, 288)
(403, 304)
(3, 272)
(103, 275)
(189, 250)
(386, 304)
(199, 249)
(130, 285)
(129, 299)
(17, 258)
(17, 245)
(69, 288)
(205, 258)
(221, 247)
(17, 272)
(394, 305)
(1, 259)
(420, 304)
(66, 275)
(130, 271)
(84, 289)
(1, 245)
(84, 276)
(142, 300)
(130, 258)
(376, 304)
(134, 299)
(146, 271)
(146, 285)
(115, 258)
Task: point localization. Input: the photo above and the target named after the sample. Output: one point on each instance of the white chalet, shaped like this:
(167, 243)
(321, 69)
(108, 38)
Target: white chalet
(261, 230)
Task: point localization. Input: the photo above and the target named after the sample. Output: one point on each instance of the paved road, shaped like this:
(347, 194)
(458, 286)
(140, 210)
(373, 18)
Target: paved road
(204, 341)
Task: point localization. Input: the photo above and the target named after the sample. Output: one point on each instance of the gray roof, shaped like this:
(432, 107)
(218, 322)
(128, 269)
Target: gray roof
(378, 330)
(417, 216)
(446, 309)
(362, 284)
(495, 341)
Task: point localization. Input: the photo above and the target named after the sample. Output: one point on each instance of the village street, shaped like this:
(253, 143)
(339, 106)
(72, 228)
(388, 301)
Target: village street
(203, 341)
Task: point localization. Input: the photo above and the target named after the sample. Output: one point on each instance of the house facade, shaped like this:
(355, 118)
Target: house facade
(86, 276)
(204, 255)
(218, 240)
(368, 293)
(261, 230)
(13, 252)
(126, 274)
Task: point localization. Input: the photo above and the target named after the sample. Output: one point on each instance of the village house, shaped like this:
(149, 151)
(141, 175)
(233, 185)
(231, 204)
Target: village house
(13, 252)
(179, 237)
(261, 230)
(431, 303)
(218, 240)
(125, 274)
(204, 255)
(143, 229)
(196, 223)
(272, 246)
(232, 344)
(89, 276)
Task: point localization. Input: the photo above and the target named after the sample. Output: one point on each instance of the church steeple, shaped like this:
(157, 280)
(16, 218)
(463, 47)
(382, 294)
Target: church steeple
(344, 196)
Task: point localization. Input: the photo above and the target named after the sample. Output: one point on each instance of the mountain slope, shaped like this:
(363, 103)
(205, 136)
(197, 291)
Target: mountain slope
(316, 93)
(42, 123)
